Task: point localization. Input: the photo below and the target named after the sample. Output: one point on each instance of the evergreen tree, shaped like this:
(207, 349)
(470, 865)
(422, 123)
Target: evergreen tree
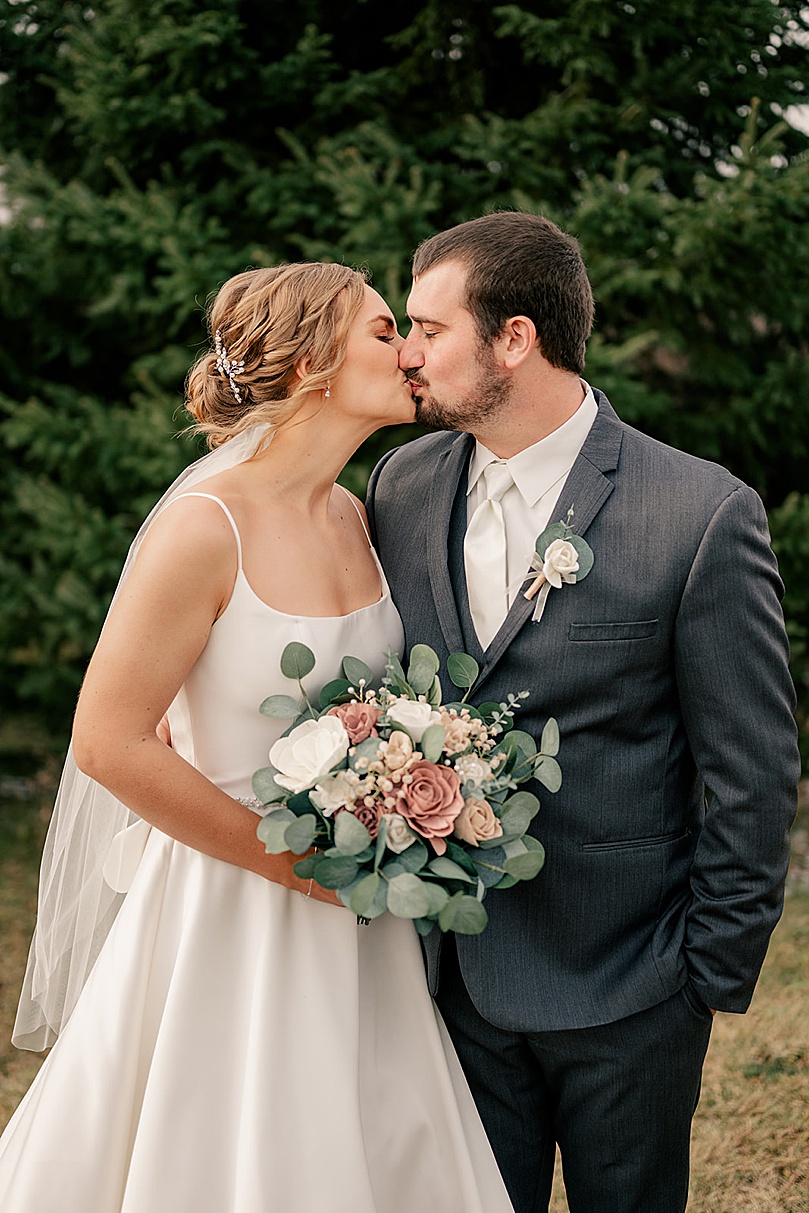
(150, 151)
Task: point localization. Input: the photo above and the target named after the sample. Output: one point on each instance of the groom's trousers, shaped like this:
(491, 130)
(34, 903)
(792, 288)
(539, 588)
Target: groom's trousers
(617, 1098)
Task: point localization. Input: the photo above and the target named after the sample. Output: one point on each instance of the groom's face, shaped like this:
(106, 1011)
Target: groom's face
(454, 376)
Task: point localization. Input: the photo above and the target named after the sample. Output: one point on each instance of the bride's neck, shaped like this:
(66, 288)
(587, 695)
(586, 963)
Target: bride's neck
(304, 460)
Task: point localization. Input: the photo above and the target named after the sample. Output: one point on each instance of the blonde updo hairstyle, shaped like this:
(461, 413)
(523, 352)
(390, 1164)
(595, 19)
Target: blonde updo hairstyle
(289, 324)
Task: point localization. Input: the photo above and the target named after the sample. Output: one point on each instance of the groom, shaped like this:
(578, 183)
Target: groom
(582, 1013)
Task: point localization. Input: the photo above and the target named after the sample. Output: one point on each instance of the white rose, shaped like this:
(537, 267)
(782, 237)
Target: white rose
(334, 792)
(399, 836)
(308, 752)
(560, 563)
(413, 716)
(471, 769)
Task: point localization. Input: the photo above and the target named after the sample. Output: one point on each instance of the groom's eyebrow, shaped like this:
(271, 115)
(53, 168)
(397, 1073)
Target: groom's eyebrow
(422, 320)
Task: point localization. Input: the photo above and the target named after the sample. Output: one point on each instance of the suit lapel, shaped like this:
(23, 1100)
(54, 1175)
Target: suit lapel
(444, 488)
(585, 491)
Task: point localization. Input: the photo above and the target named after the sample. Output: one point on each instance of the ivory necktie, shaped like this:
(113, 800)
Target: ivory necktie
(485, 555)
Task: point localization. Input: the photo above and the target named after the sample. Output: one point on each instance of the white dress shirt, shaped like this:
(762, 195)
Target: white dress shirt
(539, 473)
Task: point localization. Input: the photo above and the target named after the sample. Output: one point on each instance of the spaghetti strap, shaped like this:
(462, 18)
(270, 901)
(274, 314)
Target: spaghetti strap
(350, 497)
(228, 515)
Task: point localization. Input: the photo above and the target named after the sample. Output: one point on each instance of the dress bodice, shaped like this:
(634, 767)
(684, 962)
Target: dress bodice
(215, 720)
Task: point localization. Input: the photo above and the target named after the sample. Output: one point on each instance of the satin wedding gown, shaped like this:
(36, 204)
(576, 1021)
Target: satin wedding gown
(239, 1048)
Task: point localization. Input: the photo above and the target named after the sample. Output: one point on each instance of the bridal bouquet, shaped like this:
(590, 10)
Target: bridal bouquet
(412, 805)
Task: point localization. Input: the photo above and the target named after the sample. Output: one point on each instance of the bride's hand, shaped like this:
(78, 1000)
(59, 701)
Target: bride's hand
(283, 874)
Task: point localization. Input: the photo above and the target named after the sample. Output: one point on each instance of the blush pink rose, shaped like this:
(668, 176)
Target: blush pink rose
(432, 800)
(477, 822)
(358, 719)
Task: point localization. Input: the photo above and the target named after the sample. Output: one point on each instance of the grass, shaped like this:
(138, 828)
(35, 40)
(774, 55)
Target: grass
(751, 1130)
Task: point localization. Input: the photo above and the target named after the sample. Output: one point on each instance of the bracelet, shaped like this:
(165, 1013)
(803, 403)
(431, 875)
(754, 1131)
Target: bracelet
(308, 892)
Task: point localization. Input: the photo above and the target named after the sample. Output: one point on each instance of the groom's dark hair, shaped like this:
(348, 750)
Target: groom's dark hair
(519, 264)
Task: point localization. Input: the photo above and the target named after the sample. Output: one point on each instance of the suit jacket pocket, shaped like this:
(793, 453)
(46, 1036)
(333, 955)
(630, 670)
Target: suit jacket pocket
(640, 630)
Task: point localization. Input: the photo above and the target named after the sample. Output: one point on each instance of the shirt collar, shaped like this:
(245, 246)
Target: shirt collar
(537, 468)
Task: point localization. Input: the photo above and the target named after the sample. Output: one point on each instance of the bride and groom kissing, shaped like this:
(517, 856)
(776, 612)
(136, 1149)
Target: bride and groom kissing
(235, 1046)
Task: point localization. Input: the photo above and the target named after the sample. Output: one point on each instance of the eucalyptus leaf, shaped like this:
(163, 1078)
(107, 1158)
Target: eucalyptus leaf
(490, 866)
(550, 738)
(381, 840)
(526, 802)
(462, 669)
(265, 788)
(350, 835)
(557, 530)
(515, 821)
(282, 706)
(408, 896)
(424, 926)
(300, 833)
(422, 668)
(304, 868)
(414, 857)
(271, 830)
(300, 804)
(460, 856)
(297, 660)
(335, 691)
(356, 671)
(434, 693)
(442, 866)
(336, 871)
(363, 896)
(463, 914)
(438, 898)
(507, 882)
(532, 844)
(526, 867)
(432, 742)
(585, 554)
(379, 903)
(395, 672)
(548, 772)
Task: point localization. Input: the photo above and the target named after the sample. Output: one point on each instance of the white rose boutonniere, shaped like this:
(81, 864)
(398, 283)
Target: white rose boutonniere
(561, 557)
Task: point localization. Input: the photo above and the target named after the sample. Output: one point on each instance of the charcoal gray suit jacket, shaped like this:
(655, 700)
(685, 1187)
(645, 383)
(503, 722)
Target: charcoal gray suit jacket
(666, 669)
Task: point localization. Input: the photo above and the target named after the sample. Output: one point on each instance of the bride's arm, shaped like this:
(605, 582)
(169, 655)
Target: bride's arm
(181, 581)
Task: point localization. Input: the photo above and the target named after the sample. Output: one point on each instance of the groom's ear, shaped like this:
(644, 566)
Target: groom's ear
(517, 339)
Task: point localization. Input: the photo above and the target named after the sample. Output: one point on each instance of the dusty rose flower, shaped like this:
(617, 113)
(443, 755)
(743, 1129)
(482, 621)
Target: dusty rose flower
(369, 815)
(476, 822)
(431, 802)
(359, 720)
(398, 751)
(457, 733)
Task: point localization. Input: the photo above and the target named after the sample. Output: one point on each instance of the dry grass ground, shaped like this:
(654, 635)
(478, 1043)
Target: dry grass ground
(751, 1131)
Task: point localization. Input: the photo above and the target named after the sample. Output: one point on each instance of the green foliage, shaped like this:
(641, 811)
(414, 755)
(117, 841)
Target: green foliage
(151, 151)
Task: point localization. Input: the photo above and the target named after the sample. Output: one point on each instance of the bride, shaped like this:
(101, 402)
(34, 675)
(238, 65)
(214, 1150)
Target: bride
(229, 1039)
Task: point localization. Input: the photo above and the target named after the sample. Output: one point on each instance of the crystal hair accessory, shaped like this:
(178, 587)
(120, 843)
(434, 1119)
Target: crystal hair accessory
(226, 367)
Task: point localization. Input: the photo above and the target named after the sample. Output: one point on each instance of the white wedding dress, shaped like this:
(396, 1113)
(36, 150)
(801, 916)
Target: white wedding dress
(239, 1048)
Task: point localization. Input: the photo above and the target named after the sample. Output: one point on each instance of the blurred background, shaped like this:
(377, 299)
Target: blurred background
(150, 150)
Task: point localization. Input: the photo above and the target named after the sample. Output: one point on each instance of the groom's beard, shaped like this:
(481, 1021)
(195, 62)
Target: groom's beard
(489, 399)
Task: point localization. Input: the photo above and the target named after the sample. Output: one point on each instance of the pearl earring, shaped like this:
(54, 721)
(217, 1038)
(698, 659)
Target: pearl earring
(328, 388)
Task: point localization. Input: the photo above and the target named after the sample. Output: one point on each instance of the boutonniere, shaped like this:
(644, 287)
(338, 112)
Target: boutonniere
(560, 557)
